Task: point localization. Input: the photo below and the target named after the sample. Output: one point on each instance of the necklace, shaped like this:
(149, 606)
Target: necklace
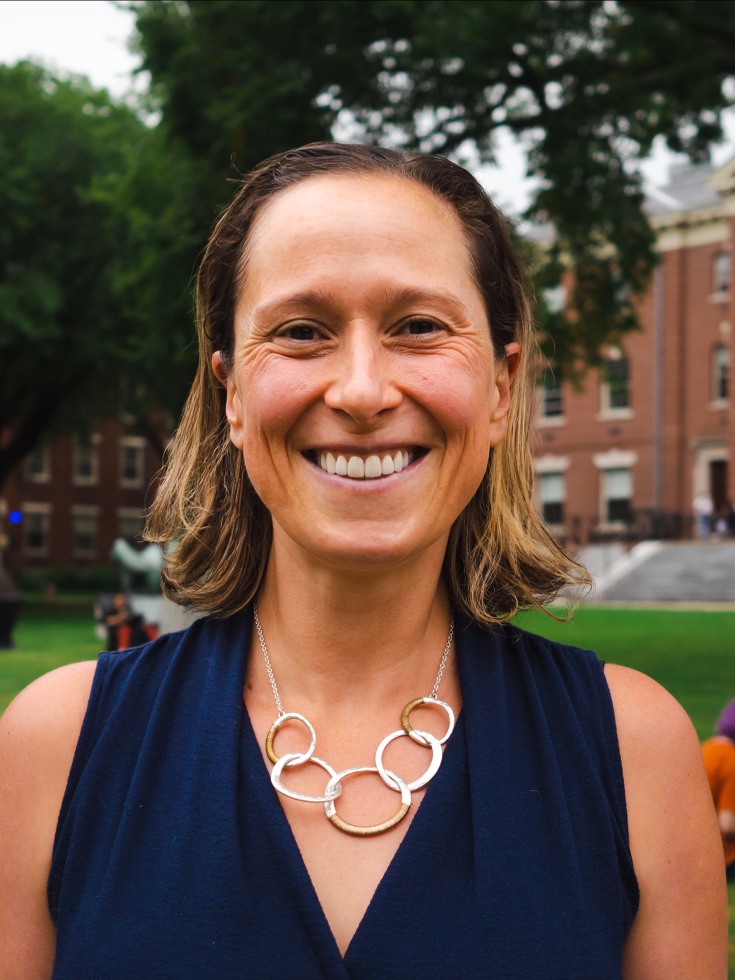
(333, 788)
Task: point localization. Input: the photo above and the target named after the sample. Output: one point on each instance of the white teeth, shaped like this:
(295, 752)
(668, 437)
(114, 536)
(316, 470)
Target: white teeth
(371, 468)
(355, 468)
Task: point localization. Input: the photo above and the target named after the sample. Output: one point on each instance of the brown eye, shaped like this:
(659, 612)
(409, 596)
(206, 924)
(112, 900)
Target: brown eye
(420, 325)
(300, 331)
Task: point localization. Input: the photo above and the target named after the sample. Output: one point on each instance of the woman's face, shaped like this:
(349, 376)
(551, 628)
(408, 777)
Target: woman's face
(364, 394)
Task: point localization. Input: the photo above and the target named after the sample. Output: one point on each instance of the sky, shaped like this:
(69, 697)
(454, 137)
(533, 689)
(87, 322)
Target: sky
(89, 37)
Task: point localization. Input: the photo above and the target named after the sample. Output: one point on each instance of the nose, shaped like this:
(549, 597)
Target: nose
(362, 385)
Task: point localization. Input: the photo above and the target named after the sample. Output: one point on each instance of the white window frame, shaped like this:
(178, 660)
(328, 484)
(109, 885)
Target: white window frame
(721, 274)
(85, 511)
(86, 479)
(129, 514)
(137, 443)
(720, 368)
(559, 499)
(615, 459)
(36, 509)
(607, 410)
(44, 475)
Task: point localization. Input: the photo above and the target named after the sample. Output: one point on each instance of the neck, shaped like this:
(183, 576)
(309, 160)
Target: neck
(336, 634)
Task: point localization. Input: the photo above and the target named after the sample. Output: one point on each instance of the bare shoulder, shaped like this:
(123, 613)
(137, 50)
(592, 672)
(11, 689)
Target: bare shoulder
(681, 926)
(38, 737)
(646, 711)
(56, 694)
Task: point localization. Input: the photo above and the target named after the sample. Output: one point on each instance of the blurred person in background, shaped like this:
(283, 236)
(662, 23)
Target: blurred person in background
(719, 761)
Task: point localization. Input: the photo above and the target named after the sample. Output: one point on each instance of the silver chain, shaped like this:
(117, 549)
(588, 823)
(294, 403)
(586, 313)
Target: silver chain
(264, 648)
(274, 687)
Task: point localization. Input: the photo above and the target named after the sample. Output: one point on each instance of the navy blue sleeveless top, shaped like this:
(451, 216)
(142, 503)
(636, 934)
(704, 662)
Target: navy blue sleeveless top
(173, 857)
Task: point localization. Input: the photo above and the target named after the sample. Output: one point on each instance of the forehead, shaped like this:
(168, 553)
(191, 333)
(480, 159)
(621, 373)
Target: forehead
(355, 222)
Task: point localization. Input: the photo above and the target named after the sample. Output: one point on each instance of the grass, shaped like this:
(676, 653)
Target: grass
(690, 652)
(46, 637)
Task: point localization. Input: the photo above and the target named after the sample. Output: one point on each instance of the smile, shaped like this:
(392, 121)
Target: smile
(369, 467)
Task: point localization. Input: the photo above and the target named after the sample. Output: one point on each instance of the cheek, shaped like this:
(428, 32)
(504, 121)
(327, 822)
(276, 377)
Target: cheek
(461, 402)
(274, 398)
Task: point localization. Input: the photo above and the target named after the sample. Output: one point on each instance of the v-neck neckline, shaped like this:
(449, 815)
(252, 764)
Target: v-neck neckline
(267, 797)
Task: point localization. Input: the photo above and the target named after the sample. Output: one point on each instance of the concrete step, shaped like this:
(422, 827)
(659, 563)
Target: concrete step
(671, 572)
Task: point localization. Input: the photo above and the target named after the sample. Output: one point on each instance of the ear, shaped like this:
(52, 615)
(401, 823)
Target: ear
(505, 371)
(233, 402)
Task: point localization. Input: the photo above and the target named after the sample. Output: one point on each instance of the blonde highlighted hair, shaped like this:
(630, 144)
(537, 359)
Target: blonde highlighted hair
(216, 531)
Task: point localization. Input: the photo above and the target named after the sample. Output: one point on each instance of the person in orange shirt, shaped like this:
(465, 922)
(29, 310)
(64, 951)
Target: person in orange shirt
(719, 761)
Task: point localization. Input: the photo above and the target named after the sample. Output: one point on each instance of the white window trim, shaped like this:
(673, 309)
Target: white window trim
(615, 459)
(130, 513)
(85, 510)
(614, 414)
(86, 481)
(132, 442)
(36, 507)
(606, 412)
(551, 464)
(45, 476)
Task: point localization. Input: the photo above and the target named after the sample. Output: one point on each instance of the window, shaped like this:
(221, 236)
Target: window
(38, 465)
(551, 493)
(85, 460)
(132, 461)
(615, 387)
(84, 532)
(617, 490)
(552, 400)
(130, 522)
(721, 272)
(720, 372)
(36, 524)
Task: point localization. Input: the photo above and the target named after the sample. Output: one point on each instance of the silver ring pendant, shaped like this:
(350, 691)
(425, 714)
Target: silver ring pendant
(357, 830)
(415, 733)
(428, 741)
(292, 759)
(273, 731)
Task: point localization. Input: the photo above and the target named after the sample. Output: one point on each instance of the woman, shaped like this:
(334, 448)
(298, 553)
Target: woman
(353, 768)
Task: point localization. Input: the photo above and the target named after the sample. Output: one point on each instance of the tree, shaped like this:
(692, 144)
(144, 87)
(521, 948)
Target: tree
(76, 250)
(586, 84)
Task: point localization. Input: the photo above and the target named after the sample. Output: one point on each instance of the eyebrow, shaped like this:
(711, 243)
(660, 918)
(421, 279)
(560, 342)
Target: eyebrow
(391, 296)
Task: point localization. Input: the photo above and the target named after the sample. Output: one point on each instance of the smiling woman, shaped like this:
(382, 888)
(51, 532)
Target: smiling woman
(349, 496)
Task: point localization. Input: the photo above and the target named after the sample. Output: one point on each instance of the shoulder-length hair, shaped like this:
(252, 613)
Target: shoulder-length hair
(217, 532)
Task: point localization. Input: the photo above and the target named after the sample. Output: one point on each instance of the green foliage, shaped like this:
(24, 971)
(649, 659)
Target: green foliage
(586, 85)
(45, 640)
(81, 240)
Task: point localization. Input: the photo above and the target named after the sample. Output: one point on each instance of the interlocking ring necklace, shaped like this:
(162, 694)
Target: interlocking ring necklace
(333, 790)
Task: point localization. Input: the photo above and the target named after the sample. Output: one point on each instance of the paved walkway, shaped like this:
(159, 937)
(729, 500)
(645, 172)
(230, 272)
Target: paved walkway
(680, 572)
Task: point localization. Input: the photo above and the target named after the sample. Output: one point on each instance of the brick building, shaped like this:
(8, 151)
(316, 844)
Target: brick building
(650, 438)
(74, 496)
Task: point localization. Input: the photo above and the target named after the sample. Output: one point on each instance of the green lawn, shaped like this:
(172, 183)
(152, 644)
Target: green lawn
(46, 637)
(690, 652)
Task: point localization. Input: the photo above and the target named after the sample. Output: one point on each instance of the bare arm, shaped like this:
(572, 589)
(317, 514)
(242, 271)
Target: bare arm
(681, 927)
(38, 736)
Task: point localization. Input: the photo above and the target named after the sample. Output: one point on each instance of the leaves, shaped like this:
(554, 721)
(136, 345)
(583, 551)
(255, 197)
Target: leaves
(587, 85)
